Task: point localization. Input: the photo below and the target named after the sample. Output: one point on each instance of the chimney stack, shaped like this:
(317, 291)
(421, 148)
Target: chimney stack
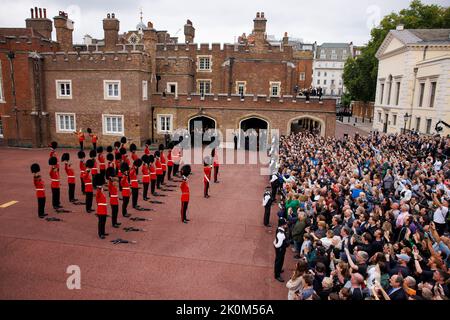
(285, 39)
(259, 28)
(189, 32)
(40, 23)
(64, 31)
(111, 29)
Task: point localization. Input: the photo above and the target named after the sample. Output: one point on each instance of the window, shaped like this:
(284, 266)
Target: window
(433, 94)
(381, 93)
(203, 63)
(2, 97)
(204, 87)
(322, 54)
(379, 116)
(421, 92)
(318, 73)
(332, 92)
(429, 121)
(240, 87)
(65, 122)
(112, 89)
(325, 74)
(144, 90)
(172, 87)
(389, 93)
(418, 124)
(332, 81)
(113, 124)
(302, 76)
(63, 89)
(397, 93)
(164, 124)
(325, 81)
(275, 88)
(394, 120)
(318, 81)
(1, 128)
(333, 55)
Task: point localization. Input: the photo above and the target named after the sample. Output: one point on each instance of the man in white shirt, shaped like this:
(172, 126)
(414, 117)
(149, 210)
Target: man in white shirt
(280, 248)
(267, 204)
(440, 216)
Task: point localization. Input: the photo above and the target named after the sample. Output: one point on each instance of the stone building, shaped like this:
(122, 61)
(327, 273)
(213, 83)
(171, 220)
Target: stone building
(145, 84)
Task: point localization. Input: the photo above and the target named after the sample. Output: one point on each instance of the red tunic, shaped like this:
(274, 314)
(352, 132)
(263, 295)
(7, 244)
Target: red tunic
(39, 186)
(101, 203)
(163, 162)
(133, 178)
(125, 186)
(184, 191)
(147, 150)
(54, 176)
(80, 136)
(70, 174)
(94, 169)
(101, 160)
(87, 182)
(94, 138)
(113, 194)
(207, 174)
(134, 156)
(82, 168)
(152, 172)
(159, 169)
(169, 159)
(145, 174)
(53, 154)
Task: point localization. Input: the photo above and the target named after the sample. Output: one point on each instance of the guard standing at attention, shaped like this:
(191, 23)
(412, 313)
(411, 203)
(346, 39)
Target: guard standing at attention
(185, 172)
(215, 157)
(153, 176)
(81, 156)
(113, 195)
(101, 161)
(145, 176)
(163, 162)
(53, 146)
(88, 188)
(102, 206)
(206, 175)
(55, 185)
(147, 147)
(169, 162)
(124, 168)
(94, 169)
(159, 169)
(40, 189)
(134, 182)
(70, 176)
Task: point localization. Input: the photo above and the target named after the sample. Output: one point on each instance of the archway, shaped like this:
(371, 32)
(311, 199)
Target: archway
(206, 123)
(307, 123)
(255, 123)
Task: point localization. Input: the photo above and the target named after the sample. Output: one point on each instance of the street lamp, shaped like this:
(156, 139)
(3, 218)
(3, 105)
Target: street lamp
(405, 118)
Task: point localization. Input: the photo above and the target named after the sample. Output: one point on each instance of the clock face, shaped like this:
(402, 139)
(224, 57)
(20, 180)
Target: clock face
(133, 39)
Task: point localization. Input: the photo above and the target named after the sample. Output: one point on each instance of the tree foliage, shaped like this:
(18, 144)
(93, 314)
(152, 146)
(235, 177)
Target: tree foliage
(360, 74)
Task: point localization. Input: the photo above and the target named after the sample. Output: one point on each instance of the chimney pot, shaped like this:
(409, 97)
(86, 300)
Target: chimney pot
(32, 13)
(40, 13)
(262, 14)
(36, 12)
(257, 14)
(113, 16)
(108, 16)
(45, 13)
(400, 27)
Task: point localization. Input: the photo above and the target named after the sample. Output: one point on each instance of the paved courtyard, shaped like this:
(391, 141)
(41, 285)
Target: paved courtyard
(223, 253)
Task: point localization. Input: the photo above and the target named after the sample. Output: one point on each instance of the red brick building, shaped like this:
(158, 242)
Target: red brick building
(144, 84)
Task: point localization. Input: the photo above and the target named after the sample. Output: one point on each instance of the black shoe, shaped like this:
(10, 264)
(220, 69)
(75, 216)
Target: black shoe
(127, 215)
(145, 199)
(102, 237)
(90, 211)
(43, 216)
(106, 234)
(185, 221)
(74, 200)
(280, 279)
(115, 226)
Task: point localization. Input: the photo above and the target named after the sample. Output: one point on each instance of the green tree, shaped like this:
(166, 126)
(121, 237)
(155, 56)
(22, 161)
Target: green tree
(360, 74)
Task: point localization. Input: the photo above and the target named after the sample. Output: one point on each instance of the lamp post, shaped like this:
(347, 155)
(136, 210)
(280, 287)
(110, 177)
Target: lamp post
(405, 118)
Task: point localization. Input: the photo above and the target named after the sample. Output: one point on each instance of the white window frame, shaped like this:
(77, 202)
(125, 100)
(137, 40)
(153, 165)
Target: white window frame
(58, 122)
(172, 84)
(58, 89)
(430, 121)
(199, 67)
(144, 90)
(113, 133)
(159, 130)
(204, 80)
(1, 127)
(302, 76)
(2, 94)
(275, 84)
(106, 83)
(244, 84)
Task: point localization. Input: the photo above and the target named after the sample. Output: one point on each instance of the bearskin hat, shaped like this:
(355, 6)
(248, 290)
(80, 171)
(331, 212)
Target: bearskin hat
(151, 158)
(89, 130)
(157, 153)
(110, 172)
(35, 168)
(213, 152)
(54, 144)
(207, 161)
(117, 144)
(123, 140)
(123, 151)
(133, 147)
(118, 156)
(171, 145)
(145, 159)
(161, 147)
(89, 163)
(99, 149)
(81, 155)
(110, 157)
(52, 161)
(65, 157)
(92, 154)
(137, 163)
(124, 167)
(186, 170)
(148, 142)
(109, 149)
(99, 180)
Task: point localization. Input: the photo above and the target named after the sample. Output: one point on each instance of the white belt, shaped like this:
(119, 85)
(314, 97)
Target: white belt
(114, 196)
(55, 180)
(144, 175)
(70, 176)
(88, 183)
(101, 204)
(40, 189)
(125, 188)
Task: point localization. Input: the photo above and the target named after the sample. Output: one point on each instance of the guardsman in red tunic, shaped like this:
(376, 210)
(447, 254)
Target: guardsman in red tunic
(176, 157)
(101, 161)
(40, 189)
(125, 188)
(169, 162)
(116, 147)
(206, 175)
(70, 176)
(134, 183)
(147, 147)
(134, 156)
(53, 147)
(215, 164)
(88, 187)
(94, 139)
(113, 184)
(117, 164)
(159, 169)
(55, 184)
(94, 169)
(81, 156)
(185, 172)
(102, 206)
(163, 162)
(153, 176)
(81, 138)
(145, 176)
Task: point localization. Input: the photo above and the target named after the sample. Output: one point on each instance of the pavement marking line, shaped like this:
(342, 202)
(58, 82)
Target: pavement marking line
(8, 204)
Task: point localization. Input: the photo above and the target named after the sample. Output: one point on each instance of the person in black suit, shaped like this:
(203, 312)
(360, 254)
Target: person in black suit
(396, 291)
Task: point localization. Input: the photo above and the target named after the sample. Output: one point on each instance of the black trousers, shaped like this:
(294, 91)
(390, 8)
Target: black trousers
(94, 146)
(134, 195)
(274, 190)
(55, 197)
(279, 260)
(159, 179)
(93, 181)
(114, 213)
(152, 186)
(89, 197)
(184, 207)
(103, 172)
(216, 173)
(71, 191)
(176, 167)
(81, 145)
(125, 202)
(145, 192)
(82, 185)
(169, 172)
(101, 225)
(41, 206)
(267, 213)
(205, 188)
(163, 176)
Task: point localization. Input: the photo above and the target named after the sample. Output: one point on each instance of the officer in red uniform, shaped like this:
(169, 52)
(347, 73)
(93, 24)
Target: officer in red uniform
(215, 164)
(147, 147)
(81, 156)
(53, 146)
(102, 206)
(125, 188)
(206, 175)
(81, 138)
(40, 189)
(116, 147)
(117, 164)
(70, 176)
(153, 176)
(101, 161)
(110, 163)
(169, 162)
(134, 182)
(185, 172)
(145, 176)
(134, 156)
(113, 183)
(94, 169)
(163, 162)
(94, 139)
(159, 169)
(176, 156)
(125, 158)
(88, 188)
(54, 176)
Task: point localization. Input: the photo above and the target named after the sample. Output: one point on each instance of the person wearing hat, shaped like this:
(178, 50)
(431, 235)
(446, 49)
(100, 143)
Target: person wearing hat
(40, 189)
(70, 176)
(280, 244)
(88, 187)
(81, 138)
(134, 183)
(125, 189)
(153, 176)
(184, 187)
(206, 175)
(55, 184)
(163, 163)
(145, 176)
(101, 161)
(169, 162)
(267, 204)
(102, 207)
(159, 169)
(53, 146)
(94, 139)
(134, 156)
(147, 147)
(94, 169)
(215, 164)
(81, 156)
(113, 195)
